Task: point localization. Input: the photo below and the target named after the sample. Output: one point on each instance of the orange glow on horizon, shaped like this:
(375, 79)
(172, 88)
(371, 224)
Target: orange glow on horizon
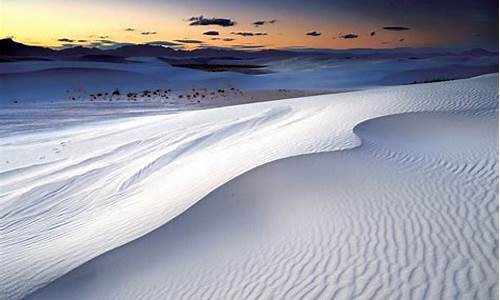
(33, 23)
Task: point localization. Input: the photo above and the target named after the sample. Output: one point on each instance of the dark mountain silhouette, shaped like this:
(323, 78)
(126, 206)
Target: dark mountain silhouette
(14, 51)
(141, 50)
(9, 47)
(78, 51)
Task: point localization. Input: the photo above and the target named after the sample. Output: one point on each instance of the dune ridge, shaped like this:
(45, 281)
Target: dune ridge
(72, 195)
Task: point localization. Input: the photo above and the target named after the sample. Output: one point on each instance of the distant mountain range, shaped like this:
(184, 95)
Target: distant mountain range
(11, 50)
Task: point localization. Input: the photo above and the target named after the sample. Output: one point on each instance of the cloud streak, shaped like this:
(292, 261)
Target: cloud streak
(247, 33)
(108, 44)
(396, 28)
(188, 41)
(248, 46)
(211, 32)
(106, 41)
(262, 22)
(65, 40)
(222, 39)
(163, 43)
(313, 33)
(349, 36)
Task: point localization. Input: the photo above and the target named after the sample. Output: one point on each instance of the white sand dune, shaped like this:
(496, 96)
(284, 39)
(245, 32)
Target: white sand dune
(394, 216)
(411, 214)
(49, 81)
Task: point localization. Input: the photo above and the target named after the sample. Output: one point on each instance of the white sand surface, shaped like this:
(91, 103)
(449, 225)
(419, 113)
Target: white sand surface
(405, 214)
(51, 81)
(411, 214)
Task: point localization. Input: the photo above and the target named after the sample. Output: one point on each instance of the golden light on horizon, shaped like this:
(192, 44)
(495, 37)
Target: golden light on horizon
(46, 22)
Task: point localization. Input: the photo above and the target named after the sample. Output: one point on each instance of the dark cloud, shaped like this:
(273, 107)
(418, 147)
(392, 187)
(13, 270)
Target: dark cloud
(248, 46)
(65, 40)
(129, 29)
(246, 33)
(385, 43)
(188, 41)
(68, 45)
(349, 36)
(104, 36)
(396, 28)
(148, 32)
(163, 43)
(242, 33)
(222, 39)
(261, 22)
(211, 32)
(82, 41)
(373, 33)
(313, 33)
(105, 41)
(202, 21)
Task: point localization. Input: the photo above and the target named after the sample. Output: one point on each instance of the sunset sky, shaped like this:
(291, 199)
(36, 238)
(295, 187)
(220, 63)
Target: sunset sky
(230, 23)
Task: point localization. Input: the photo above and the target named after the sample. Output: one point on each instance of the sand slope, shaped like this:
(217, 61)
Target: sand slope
(411, 214)
(72, 194)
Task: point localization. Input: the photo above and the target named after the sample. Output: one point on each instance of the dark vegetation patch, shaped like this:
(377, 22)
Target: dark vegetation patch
(433, 80)
(245, 69)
